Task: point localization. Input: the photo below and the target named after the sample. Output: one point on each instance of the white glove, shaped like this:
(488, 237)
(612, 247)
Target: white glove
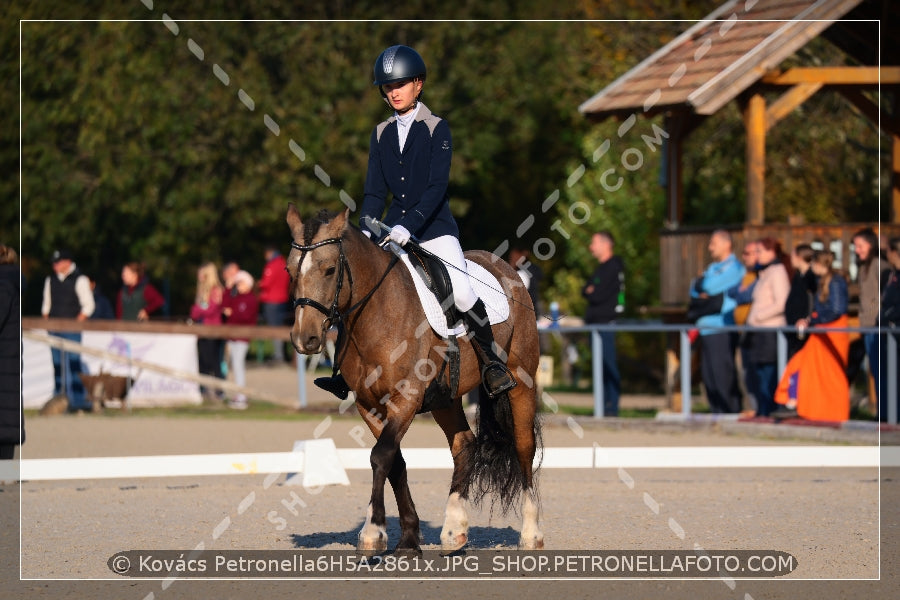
(399, 234)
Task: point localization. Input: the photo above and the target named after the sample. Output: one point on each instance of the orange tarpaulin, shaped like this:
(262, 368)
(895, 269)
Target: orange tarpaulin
(815, 375)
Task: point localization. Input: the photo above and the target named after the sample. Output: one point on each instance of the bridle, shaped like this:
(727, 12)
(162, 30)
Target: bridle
(332, 313)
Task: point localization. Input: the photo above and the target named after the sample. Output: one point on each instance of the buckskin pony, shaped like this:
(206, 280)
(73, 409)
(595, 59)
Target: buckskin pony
(389, 357)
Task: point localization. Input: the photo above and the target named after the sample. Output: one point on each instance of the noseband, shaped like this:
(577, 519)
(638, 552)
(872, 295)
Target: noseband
(332, 314)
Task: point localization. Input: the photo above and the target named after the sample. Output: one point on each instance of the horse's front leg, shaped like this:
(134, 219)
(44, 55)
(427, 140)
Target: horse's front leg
(410, 534)
(387, 462)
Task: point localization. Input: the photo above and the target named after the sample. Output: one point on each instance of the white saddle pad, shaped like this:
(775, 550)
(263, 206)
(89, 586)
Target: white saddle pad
(483, 283)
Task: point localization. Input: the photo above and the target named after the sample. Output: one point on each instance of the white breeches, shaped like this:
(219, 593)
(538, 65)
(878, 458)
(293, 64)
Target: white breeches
(447, 247)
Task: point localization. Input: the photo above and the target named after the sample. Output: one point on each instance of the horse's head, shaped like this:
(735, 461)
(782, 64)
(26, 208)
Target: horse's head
(319, 276)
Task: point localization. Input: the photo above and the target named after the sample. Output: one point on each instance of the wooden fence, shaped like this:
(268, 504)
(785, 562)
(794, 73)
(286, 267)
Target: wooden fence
(684, 254)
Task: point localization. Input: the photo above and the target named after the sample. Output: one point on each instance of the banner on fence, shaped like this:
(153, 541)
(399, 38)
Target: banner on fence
(148, 388)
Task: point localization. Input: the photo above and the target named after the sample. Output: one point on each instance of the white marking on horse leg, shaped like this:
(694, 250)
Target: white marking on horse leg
(372, 538)
(532, 538)
(455, 533)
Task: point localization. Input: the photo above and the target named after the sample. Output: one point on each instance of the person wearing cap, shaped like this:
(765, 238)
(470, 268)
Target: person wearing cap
(241, 308)
(409, 159)
(68, 295)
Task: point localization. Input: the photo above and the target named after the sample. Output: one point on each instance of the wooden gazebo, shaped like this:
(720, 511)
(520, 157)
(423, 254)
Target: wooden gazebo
(735, 54)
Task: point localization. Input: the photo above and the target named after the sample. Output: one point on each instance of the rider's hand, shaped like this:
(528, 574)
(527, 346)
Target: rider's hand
(399, 234)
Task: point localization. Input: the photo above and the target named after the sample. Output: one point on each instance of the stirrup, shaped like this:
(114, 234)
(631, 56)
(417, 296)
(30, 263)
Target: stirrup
(335, 385)
(497, 379)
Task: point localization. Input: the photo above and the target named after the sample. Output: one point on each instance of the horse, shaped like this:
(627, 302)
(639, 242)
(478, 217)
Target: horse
(388, 356)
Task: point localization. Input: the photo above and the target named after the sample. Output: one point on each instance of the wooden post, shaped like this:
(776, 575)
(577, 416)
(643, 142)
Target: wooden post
(674, 190)
(755, 127)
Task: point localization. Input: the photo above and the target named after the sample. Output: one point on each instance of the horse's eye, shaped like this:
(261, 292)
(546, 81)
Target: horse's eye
(329, 271)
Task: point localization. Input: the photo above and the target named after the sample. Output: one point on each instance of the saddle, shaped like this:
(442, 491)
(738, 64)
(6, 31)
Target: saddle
(433, 271)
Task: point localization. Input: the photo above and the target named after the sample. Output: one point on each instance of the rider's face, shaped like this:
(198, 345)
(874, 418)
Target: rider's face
(401, 95)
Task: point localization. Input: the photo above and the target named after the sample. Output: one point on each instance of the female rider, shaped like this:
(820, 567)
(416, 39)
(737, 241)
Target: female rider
(409, 157)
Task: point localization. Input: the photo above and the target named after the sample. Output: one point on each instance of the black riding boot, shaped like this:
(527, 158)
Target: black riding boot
(495, 375)
(334, 384)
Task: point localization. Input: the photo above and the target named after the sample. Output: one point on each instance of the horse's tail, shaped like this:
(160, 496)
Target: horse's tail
(495, 467)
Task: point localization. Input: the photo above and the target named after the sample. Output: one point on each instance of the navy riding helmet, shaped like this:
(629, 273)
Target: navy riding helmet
(396, 64)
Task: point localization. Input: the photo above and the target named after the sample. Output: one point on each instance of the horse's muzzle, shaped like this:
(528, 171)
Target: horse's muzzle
(312, 344)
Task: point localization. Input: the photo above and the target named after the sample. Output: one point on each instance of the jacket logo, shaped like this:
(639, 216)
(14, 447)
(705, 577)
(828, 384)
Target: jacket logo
(445, 145)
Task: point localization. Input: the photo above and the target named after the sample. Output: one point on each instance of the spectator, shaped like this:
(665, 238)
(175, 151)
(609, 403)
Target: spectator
(12, 423)
(770, 293)
(137, 299)
(814, 385)
(889, 316)
(230, 269)
(241, 309)
(103, 308)
(799, 303)
(207, 310)
(866, 247)
(273, 296)
(604, 293)
(67, 295)
(743, 295)
(717, 346)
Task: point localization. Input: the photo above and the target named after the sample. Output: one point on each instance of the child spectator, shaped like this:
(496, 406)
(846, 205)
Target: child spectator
(242, 308)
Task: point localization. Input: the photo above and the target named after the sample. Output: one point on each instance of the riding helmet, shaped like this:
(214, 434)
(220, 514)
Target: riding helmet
(398, 63)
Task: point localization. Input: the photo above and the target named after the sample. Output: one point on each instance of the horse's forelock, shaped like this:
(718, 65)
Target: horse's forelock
(311, 226)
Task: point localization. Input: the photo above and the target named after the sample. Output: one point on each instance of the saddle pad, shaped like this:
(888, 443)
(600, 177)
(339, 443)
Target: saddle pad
(483, 283)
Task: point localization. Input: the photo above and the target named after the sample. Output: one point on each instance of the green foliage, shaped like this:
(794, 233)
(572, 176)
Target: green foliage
(133, 148)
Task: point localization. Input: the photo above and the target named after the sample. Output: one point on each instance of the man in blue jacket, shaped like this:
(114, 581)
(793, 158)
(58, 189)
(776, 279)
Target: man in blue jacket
(717, 346)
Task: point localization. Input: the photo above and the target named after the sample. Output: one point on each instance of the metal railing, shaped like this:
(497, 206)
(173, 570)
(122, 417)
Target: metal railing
(265, 332)
(684, 355)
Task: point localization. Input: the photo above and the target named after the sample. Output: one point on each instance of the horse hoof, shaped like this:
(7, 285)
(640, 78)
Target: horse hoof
(371, 547)
(371, 550)
(454, 542)
(408, 552)
(536, 543)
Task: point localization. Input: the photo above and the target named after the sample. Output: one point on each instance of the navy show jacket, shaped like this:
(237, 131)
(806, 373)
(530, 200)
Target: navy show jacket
(417, 178)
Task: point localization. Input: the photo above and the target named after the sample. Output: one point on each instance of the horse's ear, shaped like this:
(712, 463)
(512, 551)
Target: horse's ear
(339, 223)
(293, 219)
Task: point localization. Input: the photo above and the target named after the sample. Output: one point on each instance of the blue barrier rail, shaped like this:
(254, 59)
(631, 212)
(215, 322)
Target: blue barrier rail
(888, 335)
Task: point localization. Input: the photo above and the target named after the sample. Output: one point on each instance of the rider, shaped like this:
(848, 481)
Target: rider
(409, 157)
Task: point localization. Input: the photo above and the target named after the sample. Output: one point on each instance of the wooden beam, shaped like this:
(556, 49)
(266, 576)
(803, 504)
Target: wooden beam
(889, 124)
(834, 76)
(755, 128)
(255, 332)
(788, 101)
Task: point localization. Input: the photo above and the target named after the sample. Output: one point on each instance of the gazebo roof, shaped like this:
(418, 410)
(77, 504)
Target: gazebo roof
(719, 57)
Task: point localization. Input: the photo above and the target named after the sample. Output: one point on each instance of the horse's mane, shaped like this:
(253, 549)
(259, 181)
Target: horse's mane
(312, 225)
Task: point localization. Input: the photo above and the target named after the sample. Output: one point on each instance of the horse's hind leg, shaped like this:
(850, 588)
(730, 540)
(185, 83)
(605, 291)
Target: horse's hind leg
(524, 408)
(455, 532)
